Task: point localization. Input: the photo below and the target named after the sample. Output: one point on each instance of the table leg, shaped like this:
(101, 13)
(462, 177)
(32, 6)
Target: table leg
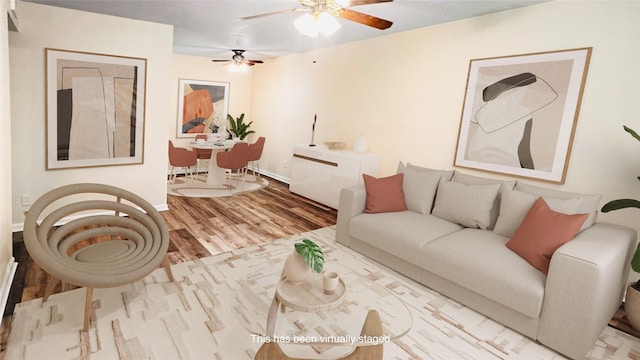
(216, 174)
(271, 317)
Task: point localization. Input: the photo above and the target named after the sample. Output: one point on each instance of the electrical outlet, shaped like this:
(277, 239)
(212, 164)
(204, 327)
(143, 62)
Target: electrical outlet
(27, 199)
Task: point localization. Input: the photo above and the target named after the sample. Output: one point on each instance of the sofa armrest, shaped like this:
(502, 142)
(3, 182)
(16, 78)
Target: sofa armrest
(353, 200)
(586, 281)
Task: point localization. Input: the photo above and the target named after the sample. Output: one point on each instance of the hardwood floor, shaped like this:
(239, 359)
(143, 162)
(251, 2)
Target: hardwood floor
(200, 227)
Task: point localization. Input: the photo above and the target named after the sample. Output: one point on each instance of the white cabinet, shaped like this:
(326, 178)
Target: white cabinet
(319, 173)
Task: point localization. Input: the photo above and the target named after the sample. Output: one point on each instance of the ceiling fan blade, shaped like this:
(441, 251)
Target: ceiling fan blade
(216, 60)
(363, 2)
(272, 13)
(255, 61)
(365, 19)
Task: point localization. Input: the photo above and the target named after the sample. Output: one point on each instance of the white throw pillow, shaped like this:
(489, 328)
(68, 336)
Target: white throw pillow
(588, 205)
(515, 205)
(419, 186)
(467, 205)
(477, 180)
(419, 189)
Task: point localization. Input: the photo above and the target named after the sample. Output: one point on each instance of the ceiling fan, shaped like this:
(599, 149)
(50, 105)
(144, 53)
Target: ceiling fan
(336, 8)
(239, 59)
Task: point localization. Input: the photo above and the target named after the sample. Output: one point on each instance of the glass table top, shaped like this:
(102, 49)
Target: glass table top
(330, 333)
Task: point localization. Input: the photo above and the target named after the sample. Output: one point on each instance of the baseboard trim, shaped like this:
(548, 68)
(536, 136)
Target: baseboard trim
(275, 176)
(7, 280)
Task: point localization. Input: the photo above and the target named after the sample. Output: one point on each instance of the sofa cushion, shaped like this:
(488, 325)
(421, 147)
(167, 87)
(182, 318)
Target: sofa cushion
(543, 231)
(479, 261)
(400, 233)
(588, 205)
(446, 174)
(515, 205)
(467, 205)
(384, 194)
(419, 187)
(477, 180)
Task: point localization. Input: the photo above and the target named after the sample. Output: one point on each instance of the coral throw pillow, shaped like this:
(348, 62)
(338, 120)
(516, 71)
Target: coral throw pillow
(543, 231)
(384, 194)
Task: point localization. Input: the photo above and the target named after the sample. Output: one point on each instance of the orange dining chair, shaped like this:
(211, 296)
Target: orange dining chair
(255, 153)
(235, 159)
(203, 154)
(181, 157)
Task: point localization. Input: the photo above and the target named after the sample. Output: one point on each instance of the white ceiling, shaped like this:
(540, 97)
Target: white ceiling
(212, 27)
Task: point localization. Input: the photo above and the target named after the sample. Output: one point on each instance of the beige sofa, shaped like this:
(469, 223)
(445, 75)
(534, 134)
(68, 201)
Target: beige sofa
(452, 239)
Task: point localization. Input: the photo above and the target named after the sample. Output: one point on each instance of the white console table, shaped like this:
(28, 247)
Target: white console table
(319, 174)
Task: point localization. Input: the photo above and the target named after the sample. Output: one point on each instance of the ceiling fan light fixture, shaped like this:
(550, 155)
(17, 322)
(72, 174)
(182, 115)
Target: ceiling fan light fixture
(238, 67)
(312, 25)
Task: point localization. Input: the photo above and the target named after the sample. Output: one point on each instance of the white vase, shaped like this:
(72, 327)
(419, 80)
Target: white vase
(360, 145)
(632, 306)
(295, 269)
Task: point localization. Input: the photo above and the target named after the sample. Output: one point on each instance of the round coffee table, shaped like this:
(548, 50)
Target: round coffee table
(314, 325)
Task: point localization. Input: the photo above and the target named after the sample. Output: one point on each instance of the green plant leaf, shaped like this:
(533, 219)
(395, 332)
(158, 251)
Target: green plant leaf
(238, 128)
(311, 253)
(635, 261)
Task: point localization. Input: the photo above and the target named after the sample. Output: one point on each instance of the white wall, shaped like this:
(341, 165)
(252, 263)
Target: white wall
(404, 92)
(6, 248)
(201, 68)
(50, 27)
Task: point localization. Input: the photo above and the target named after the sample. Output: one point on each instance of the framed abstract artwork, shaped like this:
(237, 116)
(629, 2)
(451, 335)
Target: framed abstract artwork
(202, 107)
(520, 112)
(95, 109)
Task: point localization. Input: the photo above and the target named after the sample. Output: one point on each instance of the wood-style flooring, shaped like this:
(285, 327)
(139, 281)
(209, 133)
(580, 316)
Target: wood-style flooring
(200, 227)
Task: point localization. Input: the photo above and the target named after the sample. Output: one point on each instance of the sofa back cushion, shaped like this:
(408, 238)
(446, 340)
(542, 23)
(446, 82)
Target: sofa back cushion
(419, 186)
(588, 202)
(467, 205)
(477, 180)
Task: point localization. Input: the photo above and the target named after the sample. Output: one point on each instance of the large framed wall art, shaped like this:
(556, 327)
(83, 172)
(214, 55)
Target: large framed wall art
(95, 109)
(202, 107)
(520, 112)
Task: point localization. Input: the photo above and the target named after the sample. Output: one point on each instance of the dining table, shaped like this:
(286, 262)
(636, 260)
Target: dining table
(216, 175)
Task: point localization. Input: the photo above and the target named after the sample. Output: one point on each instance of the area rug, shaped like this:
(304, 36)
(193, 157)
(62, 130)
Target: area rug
(156, 319)
(184, 186)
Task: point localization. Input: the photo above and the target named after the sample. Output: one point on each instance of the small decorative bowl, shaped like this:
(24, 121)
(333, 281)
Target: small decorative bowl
(335, 145)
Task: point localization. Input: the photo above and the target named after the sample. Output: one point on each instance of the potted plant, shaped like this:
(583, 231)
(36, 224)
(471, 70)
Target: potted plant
(306, 257)
(632, 298)
(239, 129)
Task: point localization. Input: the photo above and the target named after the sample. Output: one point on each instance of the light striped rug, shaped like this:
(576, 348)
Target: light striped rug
(155, 319)
(184, 186)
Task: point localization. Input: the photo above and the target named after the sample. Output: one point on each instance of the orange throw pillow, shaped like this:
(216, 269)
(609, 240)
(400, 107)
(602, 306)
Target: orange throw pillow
(384, 194)
(543, 231)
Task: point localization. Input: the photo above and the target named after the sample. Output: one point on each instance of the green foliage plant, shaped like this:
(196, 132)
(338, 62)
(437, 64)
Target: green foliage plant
(628, 203)
(238, 128)
(311, 253)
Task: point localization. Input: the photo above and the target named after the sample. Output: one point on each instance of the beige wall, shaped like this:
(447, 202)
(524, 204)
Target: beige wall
(201, 68)
(50, 27)
(404, 92)
(6, 249)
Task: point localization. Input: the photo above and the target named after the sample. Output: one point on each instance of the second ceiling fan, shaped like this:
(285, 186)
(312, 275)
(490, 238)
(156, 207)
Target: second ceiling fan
(336, 8)
(239, 59)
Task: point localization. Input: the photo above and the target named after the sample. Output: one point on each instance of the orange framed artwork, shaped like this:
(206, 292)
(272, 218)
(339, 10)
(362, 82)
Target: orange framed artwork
(202, 107)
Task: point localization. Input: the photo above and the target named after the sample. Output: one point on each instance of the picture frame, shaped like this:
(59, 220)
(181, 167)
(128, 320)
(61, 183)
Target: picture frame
(203, 107)
(95, 109)
(520, 112)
